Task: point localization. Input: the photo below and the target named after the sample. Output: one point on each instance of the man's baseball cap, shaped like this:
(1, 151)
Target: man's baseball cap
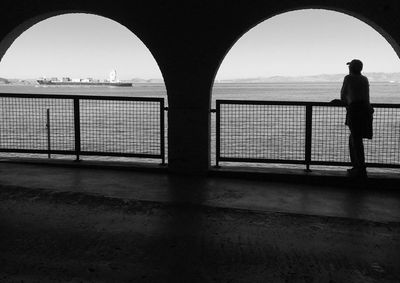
(356, 64)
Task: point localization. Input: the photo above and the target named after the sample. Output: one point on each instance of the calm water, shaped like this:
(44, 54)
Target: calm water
(321, 92)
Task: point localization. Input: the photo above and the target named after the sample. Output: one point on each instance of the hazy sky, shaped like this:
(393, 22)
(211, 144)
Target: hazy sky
(302, 42)
(308, 42)
(78, 46)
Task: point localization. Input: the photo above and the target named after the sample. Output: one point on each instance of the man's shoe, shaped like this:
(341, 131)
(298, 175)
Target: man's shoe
(357, 172)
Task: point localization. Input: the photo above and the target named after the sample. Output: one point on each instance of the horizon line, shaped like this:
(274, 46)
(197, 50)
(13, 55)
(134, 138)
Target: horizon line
(228, 78)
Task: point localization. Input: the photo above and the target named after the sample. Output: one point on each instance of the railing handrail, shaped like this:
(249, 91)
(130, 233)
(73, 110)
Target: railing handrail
(86, 97)
(222, 101)
(297, 103)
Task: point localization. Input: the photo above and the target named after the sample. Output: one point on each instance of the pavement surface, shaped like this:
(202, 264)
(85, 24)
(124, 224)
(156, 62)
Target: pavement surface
(259, 195)
(61, 224)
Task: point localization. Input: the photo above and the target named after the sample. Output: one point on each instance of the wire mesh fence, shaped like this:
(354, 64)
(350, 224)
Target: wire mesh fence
(384, 148)
(246, 131)
(256, 132)
(329, 134)
(82, 125)
(24, 124)
(283, 132)
(120, 126)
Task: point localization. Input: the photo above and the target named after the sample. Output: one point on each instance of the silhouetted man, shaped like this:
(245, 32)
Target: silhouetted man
(355, 95)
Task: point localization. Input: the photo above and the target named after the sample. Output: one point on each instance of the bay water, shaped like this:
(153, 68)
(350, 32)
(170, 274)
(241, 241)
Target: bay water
(381, 92)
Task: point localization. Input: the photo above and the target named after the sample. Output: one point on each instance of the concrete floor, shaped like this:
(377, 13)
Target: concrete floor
(70, 224)
(257, 195)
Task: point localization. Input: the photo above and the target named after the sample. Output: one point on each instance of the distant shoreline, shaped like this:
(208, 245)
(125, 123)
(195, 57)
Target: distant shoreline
(374, 77)
(20, 84)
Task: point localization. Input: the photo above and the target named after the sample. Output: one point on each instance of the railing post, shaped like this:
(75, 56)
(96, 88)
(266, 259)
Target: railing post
(48, 133)
(217, 133)
(308, 141)
(162, 132)
(77, 127)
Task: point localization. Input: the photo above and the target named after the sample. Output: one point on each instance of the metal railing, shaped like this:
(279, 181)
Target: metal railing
(309, 133)
(82, 125)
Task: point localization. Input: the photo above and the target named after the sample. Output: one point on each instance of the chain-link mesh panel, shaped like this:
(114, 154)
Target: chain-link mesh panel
(23, 124)
(131, 127)
(262, 131)
(330, 135)
(384, 148)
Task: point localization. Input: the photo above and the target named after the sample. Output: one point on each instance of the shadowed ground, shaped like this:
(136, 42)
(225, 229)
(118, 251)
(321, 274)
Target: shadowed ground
(48, 236)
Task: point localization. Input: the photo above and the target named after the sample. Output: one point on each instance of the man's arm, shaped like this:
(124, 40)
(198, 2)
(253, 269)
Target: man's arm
(343, 91)
(342, 100)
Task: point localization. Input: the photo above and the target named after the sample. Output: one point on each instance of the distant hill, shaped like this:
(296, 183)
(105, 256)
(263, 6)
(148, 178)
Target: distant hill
(373, 77)
(34, 81)
(139, 80)
(4, 81)
(18, 81)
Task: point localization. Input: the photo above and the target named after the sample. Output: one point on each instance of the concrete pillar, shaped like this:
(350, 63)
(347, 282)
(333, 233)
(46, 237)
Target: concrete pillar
(189, 126)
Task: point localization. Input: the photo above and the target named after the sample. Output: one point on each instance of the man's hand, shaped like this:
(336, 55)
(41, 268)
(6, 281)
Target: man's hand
(337, 102)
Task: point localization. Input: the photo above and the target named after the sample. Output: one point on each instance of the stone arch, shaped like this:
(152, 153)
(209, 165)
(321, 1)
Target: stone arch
(7, 41)
(258, 20)
(189, 42)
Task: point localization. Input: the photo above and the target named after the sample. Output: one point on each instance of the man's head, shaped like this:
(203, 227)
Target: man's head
(355, 66)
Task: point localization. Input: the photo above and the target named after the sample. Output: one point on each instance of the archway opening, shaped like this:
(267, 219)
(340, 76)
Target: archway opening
(298, 56)
(90, 56)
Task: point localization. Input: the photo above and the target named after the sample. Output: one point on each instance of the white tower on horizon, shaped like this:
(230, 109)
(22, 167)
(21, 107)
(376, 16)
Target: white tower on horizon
(113, 76)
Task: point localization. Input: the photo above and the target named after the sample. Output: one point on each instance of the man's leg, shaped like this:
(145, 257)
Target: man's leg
(351, 150)
(357, 156)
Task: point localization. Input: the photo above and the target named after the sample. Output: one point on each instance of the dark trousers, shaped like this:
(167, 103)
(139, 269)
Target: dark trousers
(356, 147)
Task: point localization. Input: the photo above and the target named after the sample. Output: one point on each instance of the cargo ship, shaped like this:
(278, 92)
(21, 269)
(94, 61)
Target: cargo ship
(66, 81)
